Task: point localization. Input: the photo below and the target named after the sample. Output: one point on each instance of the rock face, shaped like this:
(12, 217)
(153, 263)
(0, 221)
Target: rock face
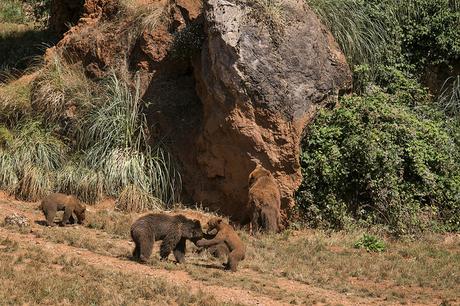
(260, 83)
(243, 98)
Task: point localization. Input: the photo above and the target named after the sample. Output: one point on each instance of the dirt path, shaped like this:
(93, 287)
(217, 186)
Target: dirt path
(228, 293)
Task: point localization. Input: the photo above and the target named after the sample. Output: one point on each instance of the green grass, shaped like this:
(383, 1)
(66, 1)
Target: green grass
(12, 11)
(29, 160)
(362, 35)
(370, 243)
(77, 179)
(113, 135)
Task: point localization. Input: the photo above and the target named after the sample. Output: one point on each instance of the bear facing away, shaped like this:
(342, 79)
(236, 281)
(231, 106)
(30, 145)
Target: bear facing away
(225, 235)
(172, 230)
(264, 201)
(62, 202)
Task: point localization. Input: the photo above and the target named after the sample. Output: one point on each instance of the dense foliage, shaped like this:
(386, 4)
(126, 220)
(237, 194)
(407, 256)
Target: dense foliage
(376, 159)
(389, 154)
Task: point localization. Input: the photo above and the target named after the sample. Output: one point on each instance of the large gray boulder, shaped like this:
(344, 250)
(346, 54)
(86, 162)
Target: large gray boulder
(265, 69)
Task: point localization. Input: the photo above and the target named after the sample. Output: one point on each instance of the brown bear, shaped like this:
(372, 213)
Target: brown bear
(173, 230)
(264, 201)
(219, 250)
(62, 202)
(225, 235)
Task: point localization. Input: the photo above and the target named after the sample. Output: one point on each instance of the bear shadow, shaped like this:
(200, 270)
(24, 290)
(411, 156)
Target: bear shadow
(210, 266)
(41, 222)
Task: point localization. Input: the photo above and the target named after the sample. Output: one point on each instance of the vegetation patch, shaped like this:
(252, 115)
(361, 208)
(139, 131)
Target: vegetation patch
(370, 243)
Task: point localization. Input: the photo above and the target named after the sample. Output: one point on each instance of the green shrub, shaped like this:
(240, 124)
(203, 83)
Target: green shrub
(375, 159)
(430, 31)
(370, 243)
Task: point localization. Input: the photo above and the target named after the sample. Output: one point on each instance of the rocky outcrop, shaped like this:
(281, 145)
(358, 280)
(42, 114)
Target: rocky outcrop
(242, 97)
(260, 81)
(63, 13)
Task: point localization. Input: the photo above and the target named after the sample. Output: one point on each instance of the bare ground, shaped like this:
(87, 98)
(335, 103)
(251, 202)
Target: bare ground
(260, 281)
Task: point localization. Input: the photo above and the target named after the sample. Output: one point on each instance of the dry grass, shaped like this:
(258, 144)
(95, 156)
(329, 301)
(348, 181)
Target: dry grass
(62, 91)
(147, 16)
(135, 199)
(277, 266)
(270, 14)
(15, 100)
(81, 237)
(114, 223)
(330, 261)
(34, 276)
(34, 184)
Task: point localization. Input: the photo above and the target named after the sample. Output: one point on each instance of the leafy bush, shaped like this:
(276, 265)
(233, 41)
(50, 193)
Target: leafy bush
(375, 159)
(430, 31)
(370, 243)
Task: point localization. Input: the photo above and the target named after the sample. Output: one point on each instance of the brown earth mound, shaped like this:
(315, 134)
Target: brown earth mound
(230, 84)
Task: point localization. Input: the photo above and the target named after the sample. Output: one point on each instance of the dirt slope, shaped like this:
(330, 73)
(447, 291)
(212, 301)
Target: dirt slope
(200, 274)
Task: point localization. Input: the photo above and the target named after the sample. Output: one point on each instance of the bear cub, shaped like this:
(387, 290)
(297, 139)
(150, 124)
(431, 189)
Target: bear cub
(62, 202)
(227, 236)
(264, 201)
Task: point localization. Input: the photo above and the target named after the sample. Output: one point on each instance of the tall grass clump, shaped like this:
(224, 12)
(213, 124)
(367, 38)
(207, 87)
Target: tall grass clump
(62, 91)
(113, 137)
(36, 145)
(135, 199)
(14, 101)
(35, 183)
(411, 35)
(449, 99)
(362, 28)
(8, 173)
(29, 158)
(78, 179)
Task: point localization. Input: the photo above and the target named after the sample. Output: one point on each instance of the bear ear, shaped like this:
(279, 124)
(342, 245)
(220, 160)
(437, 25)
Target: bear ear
(219, 221)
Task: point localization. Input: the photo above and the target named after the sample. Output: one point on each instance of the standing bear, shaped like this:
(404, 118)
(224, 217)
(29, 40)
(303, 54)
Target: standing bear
(227, 236)
(173, 230)
(264, 201)
(58, 202)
